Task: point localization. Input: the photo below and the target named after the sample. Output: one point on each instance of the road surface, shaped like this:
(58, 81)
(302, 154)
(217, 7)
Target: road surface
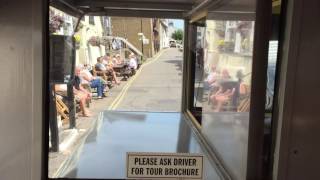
(158, 87)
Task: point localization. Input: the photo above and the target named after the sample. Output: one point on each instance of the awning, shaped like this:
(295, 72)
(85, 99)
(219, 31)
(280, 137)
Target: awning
(141, 8)
(153, 8)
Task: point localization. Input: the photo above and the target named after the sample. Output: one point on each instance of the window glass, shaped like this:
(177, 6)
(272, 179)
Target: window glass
(272, 62)
(198, 74)
(110, 75)
(91, 20)
(226, 82)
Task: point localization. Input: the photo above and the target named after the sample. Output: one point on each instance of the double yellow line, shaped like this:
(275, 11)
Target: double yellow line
(115, 103)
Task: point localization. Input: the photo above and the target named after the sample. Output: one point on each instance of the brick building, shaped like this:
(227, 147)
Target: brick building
(160, 32)
(129, 27)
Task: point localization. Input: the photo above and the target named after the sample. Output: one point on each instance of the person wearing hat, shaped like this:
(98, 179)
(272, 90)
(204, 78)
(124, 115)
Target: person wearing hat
(133, 62)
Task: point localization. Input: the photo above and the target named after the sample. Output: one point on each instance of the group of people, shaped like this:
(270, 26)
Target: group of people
(224, 88)
(84, 79)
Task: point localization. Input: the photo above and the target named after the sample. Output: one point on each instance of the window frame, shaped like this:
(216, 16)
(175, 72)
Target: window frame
(261, 38)
(257, 166)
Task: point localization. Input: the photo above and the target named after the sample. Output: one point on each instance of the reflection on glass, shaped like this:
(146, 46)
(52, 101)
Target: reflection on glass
(199, 55)
(226, 90)
(227, 66)
(272, 60)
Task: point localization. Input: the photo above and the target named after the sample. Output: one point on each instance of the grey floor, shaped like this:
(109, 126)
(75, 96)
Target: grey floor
(103, 155)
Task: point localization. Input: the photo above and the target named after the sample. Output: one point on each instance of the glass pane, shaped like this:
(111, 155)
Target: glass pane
(110, 95)
(199, 55)
(272, 61)
(226, 90)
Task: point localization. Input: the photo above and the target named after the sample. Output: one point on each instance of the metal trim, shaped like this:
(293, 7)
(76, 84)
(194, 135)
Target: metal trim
(135, 13)
(212, 155)
(136, 5)
(221, 15)
(255, 159)
(193, 120)
(185, 80)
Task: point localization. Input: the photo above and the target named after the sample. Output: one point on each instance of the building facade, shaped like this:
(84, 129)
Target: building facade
(138, 31)
(160, 33)
(91, 26)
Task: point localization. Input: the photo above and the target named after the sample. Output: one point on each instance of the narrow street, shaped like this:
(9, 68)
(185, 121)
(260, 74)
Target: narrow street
(157, 87)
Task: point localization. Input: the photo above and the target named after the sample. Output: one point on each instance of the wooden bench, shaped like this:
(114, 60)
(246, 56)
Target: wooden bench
(102, 74)
(244, 105)
(62, 109)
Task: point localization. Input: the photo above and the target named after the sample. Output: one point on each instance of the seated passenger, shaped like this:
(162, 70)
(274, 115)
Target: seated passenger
(118, 59)
(133, 62)
(114, 60)
(212, 78)
(100, 65)
(93, 82)
(226, 90)
(81, 94)
(107, 69)
(105, 59)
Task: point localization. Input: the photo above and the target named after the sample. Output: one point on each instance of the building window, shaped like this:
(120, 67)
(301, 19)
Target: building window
(91, 20)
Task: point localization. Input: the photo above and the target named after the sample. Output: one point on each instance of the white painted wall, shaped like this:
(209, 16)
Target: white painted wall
(89, 30)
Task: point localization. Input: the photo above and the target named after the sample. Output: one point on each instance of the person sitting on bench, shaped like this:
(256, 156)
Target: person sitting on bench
(133, 62)
(80, 93)
(119, 60)
(212, 78)
(108, 70)
(93, 82)
(226, 89)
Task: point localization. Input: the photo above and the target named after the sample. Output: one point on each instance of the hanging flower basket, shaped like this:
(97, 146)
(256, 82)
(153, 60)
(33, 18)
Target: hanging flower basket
(77, 38)
(55, 22)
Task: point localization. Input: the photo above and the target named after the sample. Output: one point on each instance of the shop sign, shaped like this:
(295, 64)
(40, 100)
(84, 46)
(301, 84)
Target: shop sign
(164, 166)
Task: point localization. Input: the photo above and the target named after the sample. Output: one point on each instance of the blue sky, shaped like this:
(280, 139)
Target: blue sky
(178, 23)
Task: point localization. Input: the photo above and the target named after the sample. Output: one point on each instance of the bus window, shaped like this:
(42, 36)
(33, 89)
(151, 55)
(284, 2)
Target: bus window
(196, 54)
(199, 55)
(222, 85)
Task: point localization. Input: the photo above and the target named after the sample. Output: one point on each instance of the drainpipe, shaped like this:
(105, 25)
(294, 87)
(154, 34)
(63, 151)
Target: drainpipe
(141, 38)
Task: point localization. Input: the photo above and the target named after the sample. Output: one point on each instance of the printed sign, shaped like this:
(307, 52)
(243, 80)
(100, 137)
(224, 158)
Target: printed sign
(145, 41)
(164, 165)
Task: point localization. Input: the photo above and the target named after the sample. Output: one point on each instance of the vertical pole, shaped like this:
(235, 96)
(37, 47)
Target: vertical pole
(71, 102)
(141, 59)
(53, 124)
(141, 37)
(72, 108)
(256, 161)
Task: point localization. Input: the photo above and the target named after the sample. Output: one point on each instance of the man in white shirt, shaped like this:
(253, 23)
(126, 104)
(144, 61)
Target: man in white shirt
(133, 62)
